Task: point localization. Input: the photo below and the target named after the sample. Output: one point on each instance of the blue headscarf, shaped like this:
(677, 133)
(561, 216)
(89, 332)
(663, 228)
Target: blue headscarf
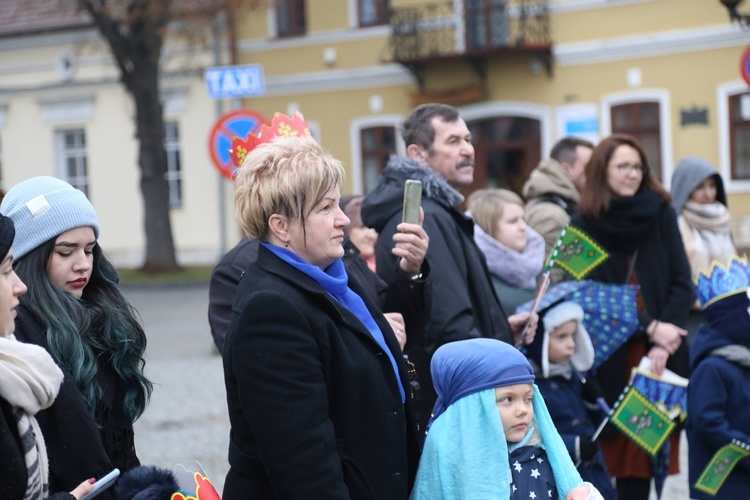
(466, 453)
(462, 368)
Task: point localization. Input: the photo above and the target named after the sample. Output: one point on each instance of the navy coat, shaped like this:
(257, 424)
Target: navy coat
(718, 411)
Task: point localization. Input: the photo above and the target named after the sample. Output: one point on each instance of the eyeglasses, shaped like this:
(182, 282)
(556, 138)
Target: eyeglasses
(626, 168)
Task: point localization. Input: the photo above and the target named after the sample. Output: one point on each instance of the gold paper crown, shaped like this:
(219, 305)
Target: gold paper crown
(722, 280)
(281, 126)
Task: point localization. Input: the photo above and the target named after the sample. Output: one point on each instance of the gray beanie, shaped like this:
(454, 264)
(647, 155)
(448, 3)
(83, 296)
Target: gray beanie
(44, 207)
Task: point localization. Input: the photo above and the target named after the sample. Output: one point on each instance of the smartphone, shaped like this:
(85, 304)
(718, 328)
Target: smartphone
(412, 201)
(102, 484)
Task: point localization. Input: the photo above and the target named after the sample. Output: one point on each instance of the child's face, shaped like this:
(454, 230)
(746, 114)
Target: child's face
(562, 342)
(516, 410)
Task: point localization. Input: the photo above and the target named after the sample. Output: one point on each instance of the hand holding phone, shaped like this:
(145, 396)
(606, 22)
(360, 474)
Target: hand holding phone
(412, 201)
(102, 484)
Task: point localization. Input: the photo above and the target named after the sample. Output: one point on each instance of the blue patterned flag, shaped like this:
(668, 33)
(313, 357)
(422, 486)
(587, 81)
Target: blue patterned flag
(610, 312)
(668, 392)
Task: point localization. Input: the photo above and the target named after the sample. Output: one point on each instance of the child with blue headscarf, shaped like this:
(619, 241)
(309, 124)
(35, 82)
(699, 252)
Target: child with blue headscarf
(491, 436)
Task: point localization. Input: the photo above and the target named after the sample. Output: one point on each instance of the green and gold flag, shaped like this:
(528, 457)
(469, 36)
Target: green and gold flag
(576, 252)
(720, 466)
(641, 421)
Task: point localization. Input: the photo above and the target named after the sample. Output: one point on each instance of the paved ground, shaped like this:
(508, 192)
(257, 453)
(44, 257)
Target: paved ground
(187, 419)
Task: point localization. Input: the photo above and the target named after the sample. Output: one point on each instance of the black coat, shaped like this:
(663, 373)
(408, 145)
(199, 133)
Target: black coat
(313, 403)
(223, 287)
(13, 476)
(663, 274)
(411, 298)
(464, 301)
(76, 447)
(464, 304)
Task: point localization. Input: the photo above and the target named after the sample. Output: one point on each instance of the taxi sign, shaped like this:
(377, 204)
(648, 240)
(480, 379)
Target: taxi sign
(223, 82)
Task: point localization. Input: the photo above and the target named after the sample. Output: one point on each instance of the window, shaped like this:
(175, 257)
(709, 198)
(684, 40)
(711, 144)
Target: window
(506, 149)
(739, 135)
(373, 12)
(174, 164)
(71, 154)
(290, 18)
(377, 146)
(641, 120)
(2, 189)
(486, 23)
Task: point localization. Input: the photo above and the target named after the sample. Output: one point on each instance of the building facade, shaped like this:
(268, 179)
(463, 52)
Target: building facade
(523, 74)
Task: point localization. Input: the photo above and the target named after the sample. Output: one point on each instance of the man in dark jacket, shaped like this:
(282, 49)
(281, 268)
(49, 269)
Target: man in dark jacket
(440, 154)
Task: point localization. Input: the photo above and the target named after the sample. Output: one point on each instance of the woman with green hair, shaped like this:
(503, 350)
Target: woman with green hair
(75, 310)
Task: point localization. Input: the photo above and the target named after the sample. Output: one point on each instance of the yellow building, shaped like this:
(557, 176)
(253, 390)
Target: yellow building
(523, 74)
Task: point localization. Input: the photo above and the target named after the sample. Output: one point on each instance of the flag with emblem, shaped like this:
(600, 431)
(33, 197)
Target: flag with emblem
(576, 252)
(641, 421)
(721, 465)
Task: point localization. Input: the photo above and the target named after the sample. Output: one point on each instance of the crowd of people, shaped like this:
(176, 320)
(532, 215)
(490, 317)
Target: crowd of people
(370, 358)
(479, 258)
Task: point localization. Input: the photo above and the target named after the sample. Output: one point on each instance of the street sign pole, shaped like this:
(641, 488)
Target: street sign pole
(220, 186)
(230, 82)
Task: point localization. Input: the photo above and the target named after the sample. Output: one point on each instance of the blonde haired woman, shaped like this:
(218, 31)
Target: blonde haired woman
(514, 251)
(316, 386)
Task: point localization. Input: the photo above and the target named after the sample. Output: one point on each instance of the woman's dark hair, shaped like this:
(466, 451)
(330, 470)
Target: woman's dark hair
(596, 195)
(100, 325)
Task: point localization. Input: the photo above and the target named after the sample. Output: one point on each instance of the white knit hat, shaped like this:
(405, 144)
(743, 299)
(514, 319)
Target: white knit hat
(43, 208)
(583, 354)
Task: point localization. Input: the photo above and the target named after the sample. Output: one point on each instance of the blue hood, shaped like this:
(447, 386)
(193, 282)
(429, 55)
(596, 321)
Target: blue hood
(727, 323)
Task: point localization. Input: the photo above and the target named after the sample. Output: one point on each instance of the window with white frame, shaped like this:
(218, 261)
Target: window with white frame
(377, 145)
(739, 135)
(290, 18)
(174, 163)
(641, 120)
(373, 12)
(1, 169)
(70, 148)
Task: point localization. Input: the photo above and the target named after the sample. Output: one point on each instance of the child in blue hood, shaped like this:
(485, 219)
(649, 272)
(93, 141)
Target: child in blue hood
(719, 389)
(491, 436)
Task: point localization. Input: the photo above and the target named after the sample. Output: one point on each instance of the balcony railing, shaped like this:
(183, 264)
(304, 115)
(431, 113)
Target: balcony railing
(476, 28)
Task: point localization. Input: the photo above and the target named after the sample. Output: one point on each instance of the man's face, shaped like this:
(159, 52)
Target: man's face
(576, 170)
(452, 152)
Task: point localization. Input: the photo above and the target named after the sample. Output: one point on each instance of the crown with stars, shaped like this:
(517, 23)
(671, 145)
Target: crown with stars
(281, 126)
(722, 280)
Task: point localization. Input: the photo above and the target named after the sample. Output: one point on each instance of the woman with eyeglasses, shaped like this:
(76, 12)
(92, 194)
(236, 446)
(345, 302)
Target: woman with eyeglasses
(627, 211)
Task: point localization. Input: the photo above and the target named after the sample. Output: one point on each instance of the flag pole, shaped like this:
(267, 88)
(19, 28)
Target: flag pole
(543, 284)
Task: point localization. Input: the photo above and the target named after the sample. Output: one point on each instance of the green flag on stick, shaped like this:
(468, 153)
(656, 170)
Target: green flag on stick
(720, 466)
(641, 421)
(576, 252)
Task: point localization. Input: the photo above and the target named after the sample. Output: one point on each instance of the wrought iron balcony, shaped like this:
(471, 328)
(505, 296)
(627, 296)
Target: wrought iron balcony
(473, 29)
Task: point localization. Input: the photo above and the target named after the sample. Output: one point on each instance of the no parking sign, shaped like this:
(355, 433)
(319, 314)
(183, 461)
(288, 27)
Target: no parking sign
(237, 123)
(745, 65)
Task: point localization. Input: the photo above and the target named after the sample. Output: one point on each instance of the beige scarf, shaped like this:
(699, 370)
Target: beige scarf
(29, 381)
(706, 235)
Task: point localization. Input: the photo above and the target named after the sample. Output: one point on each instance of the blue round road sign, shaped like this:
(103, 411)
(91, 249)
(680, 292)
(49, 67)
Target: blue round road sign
(745, 65)
(237, 123)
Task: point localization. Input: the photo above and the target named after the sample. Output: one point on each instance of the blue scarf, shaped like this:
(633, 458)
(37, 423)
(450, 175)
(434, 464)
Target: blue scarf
(334, 280)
